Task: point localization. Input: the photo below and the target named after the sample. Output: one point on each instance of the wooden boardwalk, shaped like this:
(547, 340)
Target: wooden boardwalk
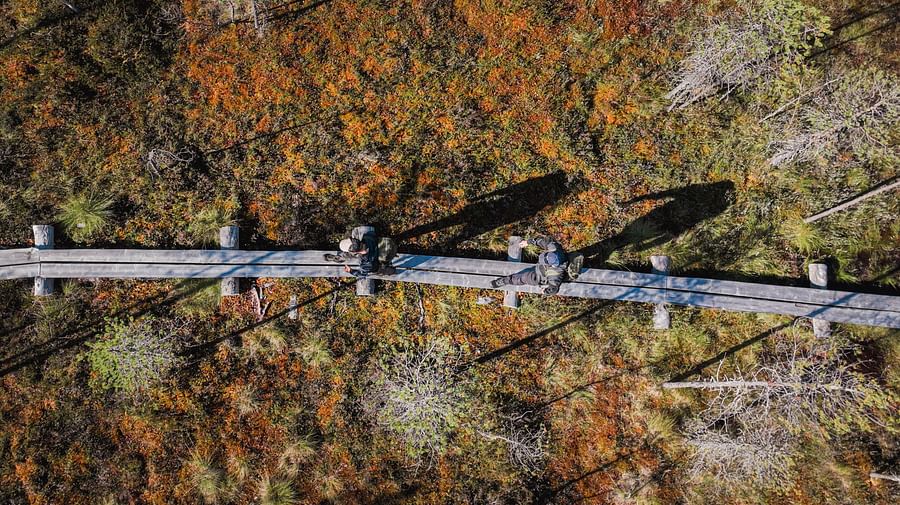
(821, 304)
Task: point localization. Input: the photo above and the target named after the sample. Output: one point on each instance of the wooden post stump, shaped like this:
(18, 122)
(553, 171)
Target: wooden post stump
(514, 254)
(229, 239)
(293, 311)
(43, 239)
(364, 287)
(818, 278)
(660, 265)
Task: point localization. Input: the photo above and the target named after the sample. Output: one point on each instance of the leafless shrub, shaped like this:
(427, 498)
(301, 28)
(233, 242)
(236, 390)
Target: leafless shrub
(159, 160)
(526, 446)
(855, 111)
(417, 395)
(747, 50)
(804, 383)
(759, 454)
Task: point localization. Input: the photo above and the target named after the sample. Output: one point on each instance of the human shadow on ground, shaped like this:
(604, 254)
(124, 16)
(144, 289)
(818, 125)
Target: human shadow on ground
(686, 207)
(490, 211)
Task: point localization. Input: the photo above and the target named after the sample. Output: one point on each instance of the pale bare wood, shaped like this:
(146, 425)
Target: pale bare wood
(876, 475)
(660, 265)
(229, 239)
(818, 278)
(514, 255)
(854, 201)
(43, 239)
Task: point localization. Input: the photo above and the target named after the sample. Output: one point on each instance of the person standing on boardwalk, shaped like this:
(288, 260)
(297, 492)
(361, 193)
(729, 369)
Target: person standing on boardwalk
(374, 255)
(551, 270)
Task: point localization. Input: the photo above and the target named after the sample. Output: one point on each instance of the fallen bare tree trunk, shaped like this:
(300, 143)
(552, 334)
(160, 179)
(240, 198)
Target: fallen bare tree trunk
(850, 203)
(876, 475)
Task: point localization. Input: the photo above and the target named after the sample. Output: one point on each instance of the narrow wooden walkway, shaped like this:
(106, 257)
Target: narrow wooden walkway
(821, 304)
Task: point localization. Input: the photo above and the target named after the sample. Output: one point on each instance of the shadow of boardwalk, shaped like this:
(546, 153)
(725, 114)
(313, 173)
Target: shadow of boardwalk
(82, 331)
(493, 210)
(686, 207)
(58, 17)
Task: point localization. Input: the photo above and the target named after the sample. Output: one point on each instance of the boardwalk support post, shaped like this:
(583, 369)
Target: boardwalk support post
(514, 254)
(43, 239)
(660, 265)
(293, 311)
(818, 278)
(364, 287)
(229, 239)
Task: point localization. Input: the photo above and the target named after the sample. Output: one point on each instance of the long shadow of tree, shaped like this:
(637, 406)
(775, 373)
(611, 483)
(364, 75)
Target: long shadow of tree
(686, 207)
(492, 210)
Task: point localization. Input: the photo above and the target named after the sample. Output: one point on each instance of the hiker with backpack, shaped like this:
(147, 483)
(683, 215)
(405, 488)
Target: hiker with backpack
(554, 267)
(374, 254)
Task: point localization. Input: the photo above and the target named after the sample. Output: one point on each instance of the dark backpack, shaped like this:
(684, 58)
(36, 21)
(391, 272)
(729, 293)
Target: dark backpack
(387, 249)
(573, 269)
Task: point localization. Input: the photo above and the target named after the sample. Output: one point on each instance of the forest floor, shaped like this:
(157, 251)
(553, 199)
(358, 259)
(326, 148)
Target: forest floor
(449, 126)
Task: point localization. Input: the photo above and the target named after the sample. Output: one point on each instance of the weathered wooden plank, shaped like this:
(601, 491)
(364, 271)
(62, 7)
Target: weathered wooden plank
(25, 271)
(15, 257)
(819, 304)
(574, 289)
(197, 256)
(785, 293)
(660, 266)
(839, 314)
(181, 271)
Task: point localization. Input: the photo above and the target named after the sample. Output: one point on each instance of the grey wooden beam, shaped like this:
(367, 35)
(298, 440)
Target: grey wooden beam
(293, 310)
(818, 278)
(513, 254)
(838, 314)
(195, 256)
(364, 287)
(659, 265)
(822, 304)
(19, 263)
(784, 293)
(43, 239)
(229, 239)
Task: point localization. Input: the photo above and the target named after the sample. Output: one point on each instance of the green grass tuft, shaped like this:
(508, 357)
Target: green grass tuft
(276, 492)
(204, 226)
(84, 216)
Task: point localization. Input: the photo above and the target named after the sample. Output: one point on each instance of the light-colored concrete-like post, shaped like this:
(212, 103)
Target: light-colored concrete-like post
(660, 265)
(229, 239)
(364, 287)
(818, 278)
(293, 311)
(514, 254)
(43, 239)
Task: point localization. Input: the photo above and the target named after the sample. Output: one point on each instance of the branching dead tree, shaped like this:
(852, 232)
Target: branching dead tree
(418, 396)
(883, 476)
(160, 160)
(746, 51)
(850, 203)
(804, 384)
(760, 454)
(854, 112)
(527, 447)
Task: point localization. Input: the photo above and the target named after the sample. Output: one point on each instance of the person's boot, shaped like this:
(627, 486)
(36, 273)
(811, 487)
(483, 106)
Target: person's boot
(502, 281)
